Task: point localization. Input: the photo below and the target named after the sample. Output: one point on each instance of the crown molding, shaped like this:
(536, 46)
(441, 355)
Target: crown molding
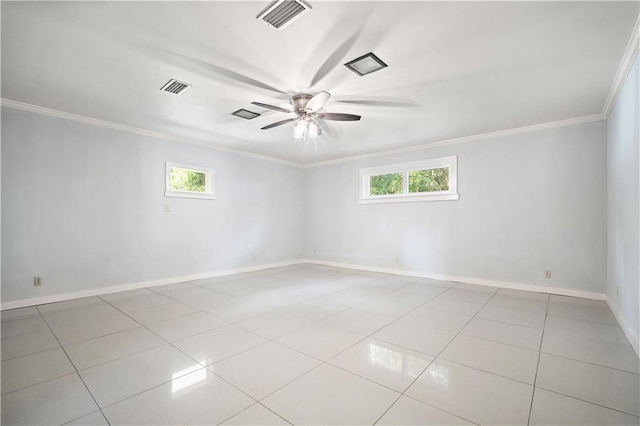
(630, 54)
(467, 139)
(22, 106)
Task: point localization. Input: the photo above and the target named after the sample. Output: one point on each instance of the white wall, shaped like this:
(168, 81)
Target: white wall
(528, 203)
(83, 207)
(623, 206)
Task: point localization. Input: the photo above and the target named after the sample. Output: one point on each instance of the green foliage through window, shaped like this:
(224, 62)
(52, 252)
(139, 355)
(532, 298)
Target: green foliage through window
(386, 184)
(188, 180)
(430, 180)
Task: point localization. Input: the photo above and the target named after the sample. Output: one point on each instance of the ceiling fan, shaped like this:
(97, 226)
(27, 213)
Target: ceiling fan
(307, 116)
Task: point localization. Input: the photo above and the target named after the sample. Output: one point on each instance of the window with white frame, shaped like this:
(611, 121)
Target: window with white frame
(188, 181)
(429, 180)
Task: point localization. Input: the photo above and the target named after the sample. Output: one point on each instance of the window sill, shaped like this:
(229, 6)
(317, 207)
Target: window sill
(189, 195)
(409, 199)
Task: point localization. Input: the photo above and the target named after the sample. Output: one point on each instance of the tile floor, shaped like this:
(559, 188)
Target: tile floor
(310, 344)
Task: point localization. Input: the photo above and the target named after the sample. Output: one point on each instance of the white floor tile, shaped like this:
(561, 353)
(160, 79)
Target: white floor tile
(103, 349)
(510, 334)
(383, 363)
(274, 324)
(143, 301)
(77, 332)
(36, 368)
(592, 330)
(320, 341)
(57, 401)
(92, 311)
(411, 299)
(239, 311)
(94, 419)
(358, 321)
(442, 320)
(393, 281)
(430, 287)
(604, 386)
(567, 308)
(520, 300)
(215, 345)
(413, 335)
(587, 373)
(328, 395)
(185, 326)
(184, 291)
(256, 415)
(264, 369)
(314, 310)
(383, 307)
(162, 312)
(408, 411)
(19, 313)
(32, 324)
(613, 355)
(125, 377)
(121, 295)
(552, 409)
(513, 316)
(469, 294)
(70, 304)
(505, 360)
(456, 306)
(25, 344)
(196, 398)
(214, 300)
(475, 395)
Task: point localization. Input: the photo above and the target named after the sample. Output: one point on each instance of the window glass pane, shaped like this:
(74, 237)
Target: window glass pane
(429, 180)
(187, 180)
(386, 184)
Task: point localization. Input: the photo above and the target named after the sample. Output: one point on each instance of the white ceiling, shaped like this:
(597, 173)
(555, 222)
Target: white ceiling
(455, 68)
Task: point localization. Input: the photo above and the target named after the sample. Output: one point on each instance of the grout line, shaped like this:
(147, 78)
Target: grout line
(78, 418)
(168, 381)
(74, 367)
(591, 363)
(292, 284)
(535, 377)
(437, 356)
(588, 402)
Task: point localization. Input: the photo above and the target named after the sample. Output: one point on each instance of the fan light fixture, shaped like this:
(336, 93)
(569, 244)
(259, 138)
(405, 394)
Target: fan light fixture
(306, 128)
(366, 64)
(306, 107)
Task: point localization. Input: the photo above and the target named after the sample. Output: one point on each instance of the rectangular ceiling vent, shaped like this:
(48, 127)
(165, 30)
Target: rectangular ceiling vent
(174, 86)
(281, 13)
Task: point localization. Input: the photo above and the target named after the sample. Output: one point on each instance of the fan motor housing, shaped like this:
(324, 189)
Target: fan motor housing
(299, 102)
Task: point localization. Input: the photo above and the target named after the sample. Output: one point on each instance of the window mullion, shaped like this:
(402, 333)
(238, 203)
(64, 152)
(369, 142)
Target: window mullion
(405, 182)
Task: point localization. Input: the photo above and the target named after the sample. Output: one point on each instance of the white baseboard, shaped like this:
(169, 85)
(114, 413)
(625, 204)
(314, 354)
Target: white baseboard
(134, 286)
(171, 280)
(467, 280)
(631, 336)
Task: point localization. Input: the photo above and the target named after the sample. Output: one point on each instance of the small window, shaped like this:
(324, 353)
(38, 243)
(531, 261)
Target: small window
(189, 181)
(429, 180)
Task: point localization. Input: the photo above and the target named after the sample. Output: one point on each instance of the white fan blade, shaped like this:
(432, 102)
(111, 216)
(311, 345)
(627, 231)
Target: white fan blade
(317, 101)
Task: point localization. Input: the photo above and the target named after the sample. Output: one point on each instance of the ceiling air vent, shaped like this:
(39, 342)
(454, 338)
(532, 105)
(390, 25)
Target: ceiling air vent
(174, 86)
(281, 13)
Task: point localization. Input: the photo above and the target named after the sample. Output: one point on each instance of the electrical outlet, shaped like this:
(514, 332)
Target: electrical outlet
(253, 257)
(37, 281)
(397, 260)
(315, 252)
(547, 274)
(167, 208)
